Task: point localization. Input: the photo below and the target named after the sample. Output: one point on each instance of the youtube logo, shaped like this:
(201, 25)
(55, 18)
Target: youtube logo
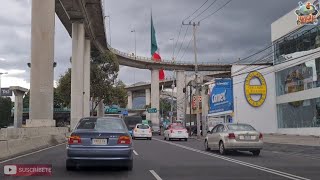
(10, 169)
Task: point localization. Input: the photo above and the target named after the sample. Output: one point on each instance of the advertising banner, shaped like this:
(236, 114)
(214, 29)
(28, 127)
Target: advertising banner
(221, 97)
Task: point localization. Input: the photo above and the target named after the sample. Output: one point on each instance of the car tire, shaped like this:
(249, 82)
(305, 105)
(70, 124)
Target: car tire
(70, 166)
(186, 139)
(164, 137)
(256, 152)
(206, 146)
(169, 139)
(133, 138)
(222, 150)
(130, 166)
(150, 138)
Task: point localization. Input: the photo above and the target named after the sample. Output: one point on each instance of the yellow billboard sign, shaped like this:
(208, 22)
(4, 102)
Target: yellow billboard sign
(251, 90)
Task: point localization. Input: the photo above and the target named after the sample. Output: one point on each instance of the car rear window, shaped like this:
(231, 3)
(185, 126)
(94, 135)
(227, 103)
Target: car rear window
(143, 126)
(177, 127)
(110, 125)
(240, 127)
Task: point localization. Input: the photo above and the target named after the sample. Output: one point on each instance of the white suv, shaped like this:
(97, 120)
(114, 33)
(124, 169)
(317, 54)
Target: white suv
(142, 131)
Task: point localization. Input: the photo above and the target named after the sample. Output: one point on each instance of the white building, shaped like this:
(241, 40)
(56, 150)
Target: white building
(292, 101)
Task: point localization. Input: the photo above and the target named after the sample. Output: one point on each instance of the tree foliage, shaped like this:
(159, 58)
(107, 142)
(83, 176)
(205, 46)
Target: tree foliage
(5, 111)
(58, 101)
(64, 88)
(165, 107)
(119, 95)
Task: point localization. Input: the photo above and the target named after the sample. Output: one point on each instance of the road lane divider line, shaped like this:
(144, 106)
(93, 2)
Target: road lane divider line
(265, 169)
(28, 154)
(135, 152)
(155, 175)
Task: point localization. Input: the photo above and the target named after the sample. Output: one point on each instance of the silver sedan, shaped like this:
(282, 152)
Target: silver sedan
(226, 137)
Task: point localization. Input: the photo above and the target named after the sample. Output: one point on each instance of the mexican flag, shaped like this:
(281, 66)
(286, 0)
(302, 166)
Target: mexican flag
(154, 50)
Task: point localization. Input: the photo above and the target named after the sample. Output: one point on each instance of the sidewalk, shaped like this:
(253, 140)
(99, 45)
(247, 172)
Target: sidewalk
(286, 139)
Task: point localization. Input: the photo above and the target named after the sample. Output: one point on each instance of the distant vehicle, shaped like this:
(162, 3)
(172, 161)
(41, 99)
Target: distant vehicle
(114, 115)
(226, 137)
(132, 121)
(176, 131)
(156, 130)
(142, 131)
(100, 141)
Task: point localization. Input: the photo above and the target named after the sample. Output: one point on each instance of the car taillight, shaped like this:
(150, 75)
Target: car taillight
(260, 136)
(74, 140)
(231, 136)
(124, 140)
(135, 130)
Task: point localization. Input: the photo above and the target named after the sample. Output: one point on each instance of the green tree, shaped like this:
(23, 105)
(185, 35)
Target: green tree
(5, 111)
(119, 94)
(165, 107)
(64, 88)
(58, 101)
(104, 71)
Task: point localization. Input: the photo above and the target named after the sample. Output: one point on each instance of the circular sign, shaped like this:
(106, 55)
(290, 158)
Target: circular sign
(251, 90)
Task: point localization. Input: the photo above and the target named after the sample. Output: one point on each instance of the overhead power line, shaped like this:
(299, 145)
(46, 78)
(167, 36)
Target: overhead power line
(216, 11)
(204, 10)
(174, 49)
(195, 11)
(185, 50)
(185, 34)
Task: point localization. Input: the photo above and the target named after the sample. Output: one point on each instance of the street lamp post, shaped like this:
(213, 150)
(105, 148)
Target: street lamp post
(135, 43)
(0, 82)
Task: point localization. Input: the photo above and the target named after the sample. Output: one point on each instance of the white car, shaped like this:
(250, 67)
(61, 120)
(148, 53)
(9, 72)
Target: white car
(176, 131)
(142, 131)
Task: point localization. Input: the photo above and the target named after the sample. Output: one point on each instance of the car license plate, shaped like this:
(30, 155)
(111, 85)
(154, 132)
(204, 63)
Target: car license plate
(99, 141)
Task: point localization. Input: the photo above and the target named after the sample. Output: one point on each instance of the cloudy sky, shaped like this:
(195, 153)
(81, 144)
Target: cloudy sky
(241, 28)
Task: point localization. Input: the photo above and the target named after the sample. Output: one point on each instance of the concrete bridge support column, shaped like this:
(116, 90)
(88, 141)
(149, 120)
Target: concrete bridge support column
(129, 105)
(77, 77)
(155, 96)
(18, 105)
(42, 58)
(148, 99)
(100, 111)
(205, 109)
(181, 83)
(86, 78)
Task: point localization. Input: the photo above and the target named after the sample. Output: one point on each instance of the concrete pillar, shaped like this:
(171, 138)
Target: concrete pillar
(148, 99)
(77, 77)
(155, 96)
(181, 83)
(18, 105)
(86, 78)
(42, 58)
(129, 105)
(100, 111)
(205, 109)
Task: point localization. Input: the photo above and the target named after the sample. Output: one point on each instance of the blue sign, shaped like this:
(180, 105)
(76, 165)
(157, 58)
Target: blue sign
(221, 97)
(124, 112)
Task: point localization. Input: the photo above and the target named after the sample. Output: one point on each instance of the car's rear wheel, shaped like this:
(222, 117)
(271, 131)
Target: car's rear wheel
(206, 146)
(150, 138)
(169, 139)
(130, 166)
(222, 150)
(256, 152)
(70, 166)
(164, 137)
(186, 139)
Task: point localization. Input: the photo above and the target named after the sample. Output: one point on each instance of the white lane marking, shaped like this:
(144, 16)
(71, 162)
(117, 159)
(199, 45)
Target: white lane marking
(272, 171)
(155, 175)
(1, 162)
(135, 152)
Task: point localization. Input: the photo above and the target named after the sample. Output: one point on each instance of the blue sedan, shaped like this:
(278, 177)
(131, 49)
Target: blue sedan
(101, 141)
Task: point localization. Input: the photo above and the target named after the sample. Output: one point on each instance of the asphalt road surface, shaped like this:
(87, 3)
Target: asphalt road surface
(175, 160)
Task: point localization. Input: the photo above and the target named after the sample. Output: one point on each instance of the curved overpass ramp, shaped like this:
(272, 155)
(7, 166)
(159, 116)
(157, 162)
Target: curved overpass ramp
(90, 12)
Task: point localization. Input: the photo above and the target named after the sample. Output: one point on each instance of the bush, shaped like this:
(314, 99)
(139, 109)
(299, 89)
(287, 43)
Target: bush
(5, 111)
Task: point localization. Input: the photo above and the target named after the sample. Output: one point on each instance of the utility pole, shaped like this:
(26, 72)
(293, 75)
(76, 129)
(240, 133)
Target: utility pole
(135, 43)
(171, 115)
(197, 79)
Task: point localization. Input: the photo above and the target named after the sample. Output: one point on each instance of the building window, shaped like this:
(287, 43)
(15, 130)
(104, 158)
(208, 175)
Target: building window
(304, 39)
(299, 114)
(298, 78)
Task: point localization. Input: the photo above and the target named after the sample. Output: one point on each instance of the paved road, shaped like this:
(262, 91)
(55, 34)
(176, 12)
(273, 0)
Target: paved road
(186, 160)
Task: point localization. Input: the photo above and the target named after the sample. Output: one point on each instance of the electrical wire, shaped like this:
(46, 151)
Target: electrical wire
(185, 34)
(185, 50)
(174, 49)
(215, 11)
(195, 11)
(204, 10)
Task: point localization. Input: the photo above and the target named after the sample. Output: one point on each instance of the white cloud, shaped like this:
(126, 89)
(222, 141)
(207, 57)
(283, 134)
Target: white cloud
(7, 81)
(2, 59)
